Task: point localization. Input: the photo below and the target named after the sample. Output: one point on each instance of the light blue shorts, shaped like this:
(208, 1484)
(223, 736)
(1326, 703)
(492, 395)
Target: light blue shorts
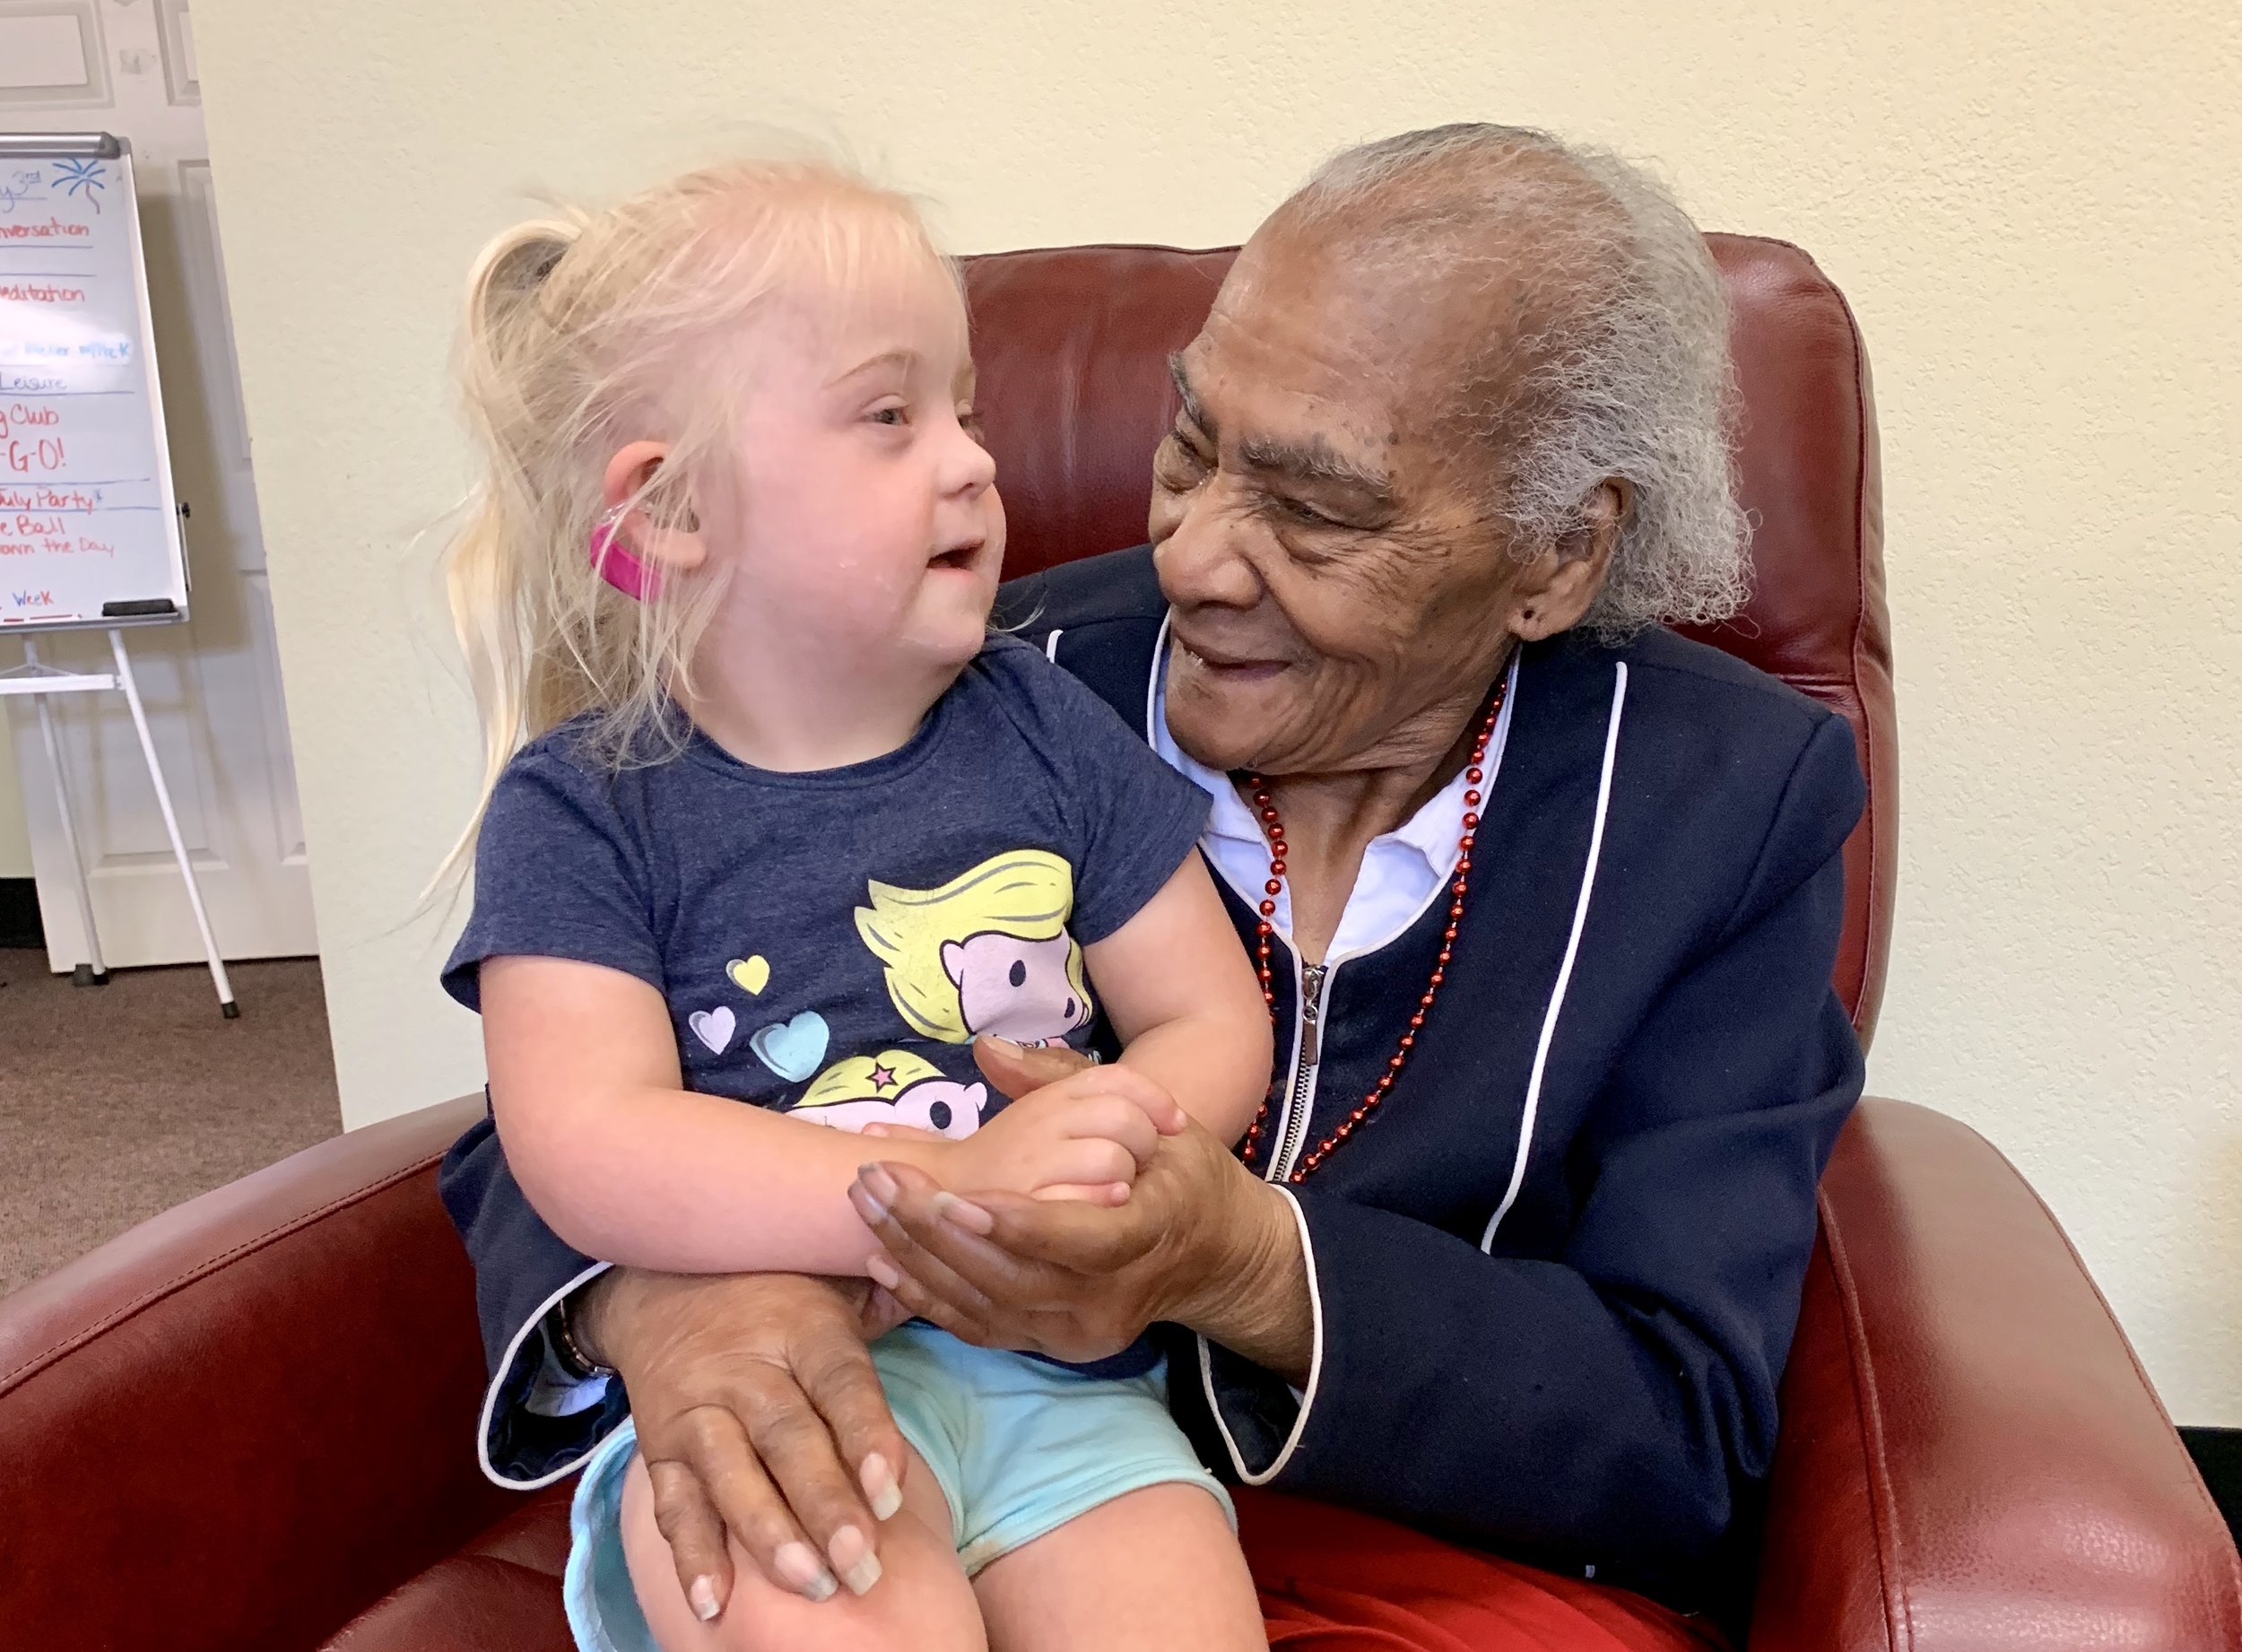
(1018, 1447)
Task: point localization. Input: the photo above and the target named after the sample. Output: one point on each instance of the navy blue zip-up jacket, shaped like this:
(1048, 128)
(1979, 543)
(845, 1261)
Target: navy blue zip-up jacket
(1555, 1280)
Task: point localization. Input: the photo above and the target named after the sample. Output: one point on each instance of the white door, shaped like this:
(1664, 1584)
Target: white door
(212, 686)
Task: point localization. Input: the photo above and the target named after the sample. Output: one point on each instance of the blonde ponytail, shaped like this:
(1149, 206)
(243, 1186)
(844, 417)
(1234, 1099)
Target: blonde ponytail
(583, 332)
(485, 566)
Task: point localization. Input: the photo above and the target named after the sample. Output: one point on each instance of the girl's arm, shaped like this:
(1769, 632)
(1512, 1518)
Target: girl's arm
(628, 1166)
(1182, 994)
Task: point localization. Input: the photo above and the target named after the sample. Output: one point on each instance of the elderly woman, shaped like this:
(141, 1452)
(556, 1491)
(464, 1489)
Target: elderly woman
(1544, 899)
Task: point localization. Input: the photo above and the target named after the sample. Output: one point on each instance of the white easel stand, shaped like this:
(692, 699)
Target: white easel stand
(38, 680)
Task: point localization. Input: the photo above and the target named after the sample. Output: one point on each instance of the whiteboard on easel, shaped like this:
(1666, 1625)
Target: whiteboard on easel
(89, 526)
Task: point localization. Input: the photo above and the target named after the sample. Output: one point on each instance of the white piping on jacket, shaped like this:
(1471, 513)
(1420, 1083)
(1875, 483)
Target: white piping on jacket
(490, 1394)
(1315, 1368)
(1564, 971)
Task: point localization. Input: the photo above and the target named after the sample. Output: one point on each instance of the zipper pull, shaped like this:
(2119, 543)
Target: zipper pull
(1311, 993)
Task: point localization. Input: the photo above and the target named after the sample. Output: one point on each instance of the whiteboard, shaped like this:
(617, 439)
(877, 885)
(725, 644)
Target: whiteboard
(89, 526)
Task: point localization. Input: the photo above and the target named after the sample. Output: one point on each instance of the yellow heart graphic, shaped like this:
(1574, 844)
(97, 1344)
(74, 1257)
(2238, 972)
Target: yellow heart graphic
(749, 975)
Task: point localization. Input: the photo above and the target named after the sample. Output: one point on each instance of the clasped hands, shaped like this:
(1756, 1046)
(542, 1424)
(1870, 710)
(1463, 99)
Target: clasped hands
(1074, 1131)
(758, 1413)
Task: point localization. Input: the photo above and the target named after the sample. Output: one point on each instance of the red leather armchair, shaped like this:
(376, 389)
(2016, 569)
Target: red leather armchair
(248, 1425)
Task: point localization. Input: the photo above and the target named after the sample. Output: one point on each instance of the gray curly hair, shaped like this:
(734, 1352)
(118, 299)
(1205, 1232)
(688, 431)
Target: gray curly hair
(1617, 364)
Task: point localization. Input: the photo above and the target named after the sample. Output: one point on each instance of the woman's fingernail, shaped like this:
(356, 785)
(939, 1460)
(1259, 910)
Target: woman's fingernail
(853, 1558)
(703, 1596)
(879, 1487)
(972, 1218)
(798, 1564)
(878, 1182)
(998, 1037)
(884, 1274)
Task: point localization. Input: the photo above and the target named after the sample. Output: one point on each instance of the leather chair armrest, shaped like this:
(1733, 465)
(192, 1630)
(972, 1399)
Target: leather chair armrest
(1971, 1456)
(233, 1427)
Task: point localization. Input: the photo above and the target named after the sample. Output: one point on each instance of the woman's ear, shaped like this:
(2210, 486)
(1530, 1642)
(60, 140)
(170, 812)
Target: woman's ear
(1556, 588)
(655, 537)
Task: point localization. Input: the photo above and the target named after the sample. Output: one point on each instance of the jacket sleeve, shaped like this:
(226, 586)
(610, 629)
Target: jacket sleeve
(537, 1423)
(1603, 1410)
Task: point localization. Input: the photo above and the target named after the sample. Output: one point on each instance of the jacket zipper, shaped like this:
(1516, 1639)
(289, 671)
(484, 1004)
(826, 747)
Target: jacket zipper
(1315, 986)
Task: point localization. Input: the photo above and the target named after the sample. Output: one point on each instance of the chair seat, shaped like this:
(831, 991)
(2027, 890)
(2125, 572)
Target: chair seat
(500, 1593)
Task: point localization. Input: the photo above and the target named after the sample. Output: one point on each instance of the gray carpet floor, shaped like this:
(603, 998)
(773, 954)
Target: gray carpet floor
(117, 1102)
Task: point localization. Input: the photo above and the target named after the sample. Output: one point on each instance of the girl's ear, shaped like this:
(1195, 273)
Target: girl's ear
(631, 475)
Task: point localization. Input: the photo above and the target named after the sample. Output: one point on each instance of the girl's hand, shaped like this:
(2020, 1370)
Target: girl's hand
(1072, 1281)
(1085, 1136)
(1202, 1241)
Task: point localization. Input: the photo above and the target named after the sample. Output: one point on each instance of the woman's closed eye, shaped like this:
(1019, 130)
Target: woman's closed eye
(1178, 460)
(1300, 511)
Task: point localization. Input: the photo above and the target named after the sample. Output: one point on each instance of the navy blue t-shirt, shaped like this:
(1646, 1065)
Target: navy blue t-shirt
(830, 943)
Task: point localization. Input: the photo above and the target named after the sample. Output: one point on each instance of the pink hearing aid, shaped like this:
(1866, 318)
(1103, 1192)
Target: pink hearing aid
(619, 567)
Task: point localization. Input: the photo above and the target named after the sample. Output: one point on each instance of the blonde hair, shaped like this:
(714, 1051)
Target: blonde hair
(588, 330)
(1026, 893)
(851, 1079)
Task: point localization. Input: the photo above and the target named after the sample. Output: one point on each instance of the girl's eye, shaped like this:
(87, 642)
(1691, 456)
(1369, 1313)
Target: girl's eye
(886, 416)
(971, 424)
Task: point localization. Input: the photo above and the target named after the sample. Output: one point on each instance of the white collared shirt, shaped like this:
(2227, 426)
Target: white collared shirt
(1401, 870)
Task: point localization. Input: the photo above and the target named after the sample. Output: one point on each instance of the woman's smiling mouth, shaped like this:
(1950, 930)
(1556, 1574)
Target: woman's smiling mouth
(1226, 668)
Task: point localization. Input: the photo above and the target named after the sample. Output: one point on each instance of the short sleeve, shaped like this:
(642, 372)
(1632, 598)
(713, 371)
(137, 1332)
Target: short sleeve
(558, 874)
(1136, 819)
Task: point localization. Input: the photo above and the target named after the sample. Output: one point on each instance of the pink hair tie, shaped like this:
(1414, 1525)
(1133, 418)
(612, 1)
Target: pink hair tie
(619, 567)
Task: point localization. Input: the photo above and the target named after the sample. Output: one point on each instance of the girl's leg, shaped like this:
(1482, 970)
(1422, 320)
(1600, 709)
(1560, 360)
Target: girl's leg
(1155, 1570)
(922, 1599)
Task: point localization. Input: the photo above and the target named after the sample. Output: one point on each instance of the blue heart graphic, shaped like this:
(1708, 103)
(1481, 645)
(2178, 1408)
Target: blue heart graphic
(792, 1050)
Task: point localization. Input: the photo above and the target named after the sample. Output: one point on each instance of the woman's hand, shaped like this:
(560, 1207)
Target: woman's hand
(1202, 1241)
(754, 1395)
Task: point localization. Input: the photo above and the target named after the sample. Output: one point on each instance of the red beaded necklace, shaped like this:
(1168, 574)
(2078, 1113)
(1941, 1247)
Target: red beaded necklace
(1474, 776)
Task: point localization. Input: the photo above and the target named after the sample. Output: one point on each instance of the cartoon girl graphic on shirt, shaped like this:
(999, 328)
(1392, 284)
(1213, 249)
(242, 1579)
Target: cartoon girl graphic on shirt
(987, 951)
(894, 1087)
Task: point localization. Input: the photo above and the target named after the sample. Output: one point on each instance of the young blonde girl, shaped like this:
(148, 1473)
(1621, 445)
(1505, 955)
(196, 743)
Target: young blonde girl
(771, 820)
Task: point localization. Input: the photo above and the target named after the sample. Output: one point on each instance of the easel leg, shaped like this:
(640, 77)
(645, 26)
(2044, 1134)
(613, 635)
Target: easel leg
(172, 824)
(95, 973)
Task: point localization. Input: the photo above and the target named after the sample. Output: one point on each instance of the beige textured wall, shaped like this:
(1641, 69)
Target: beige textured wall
(2033, 207)
(15, 832)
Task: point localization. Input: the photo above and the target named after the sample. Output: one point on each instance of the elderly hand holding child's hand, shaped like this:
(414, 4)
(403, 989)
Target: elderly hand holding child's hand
(1200, 1240)
(759, 1412)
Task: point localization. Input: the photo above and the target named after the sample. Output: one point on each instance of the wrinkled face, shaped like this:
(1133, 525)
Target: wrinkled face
(861, 522)
(1323, 535)
(1018, 989)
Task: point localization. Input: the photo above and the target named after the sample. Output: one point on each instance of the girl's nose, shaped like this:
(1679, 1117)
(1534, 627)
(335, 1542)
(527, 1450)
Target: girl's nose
(973, 467)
